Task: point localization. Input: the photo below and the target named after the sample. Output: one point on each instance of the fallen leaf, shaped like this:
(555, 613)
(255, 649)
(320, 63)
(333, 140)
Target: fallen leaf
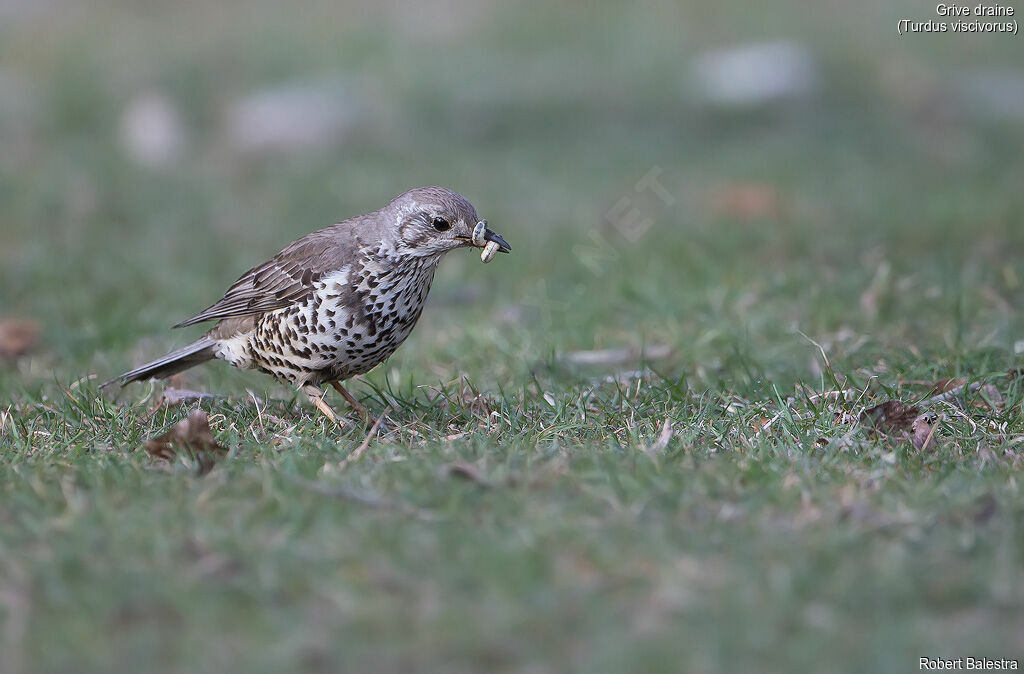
(17, 337)
(890, 418)
(899, 421)
(192, 436)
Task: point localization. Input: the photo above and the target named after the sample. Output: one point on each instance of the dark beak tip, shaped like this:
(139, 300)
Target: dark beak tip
(496, 238)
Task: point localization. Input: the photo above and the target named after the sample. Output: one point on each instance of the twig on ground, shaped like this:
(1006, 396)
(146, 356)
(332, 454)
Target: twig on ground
(952, 393)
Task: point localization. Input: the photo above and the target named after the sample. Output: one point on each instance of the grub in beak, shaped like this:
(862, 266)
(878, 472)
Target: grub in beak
(482, 236)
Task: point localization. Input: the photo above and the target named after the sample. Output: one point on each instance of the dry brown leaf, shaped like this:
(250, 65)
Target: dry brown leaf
(192, 436)
(890, 418)
(899, 421)
(17, 337)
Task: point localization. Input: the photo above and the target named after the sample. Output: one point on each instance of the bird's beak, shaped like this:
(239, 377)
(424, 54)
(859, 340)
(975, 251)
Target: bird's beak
(482, 235)
(496, 238)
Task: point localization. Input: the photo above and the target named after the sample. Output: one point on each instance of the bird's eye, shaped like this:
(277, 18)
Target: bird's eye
(441, 225)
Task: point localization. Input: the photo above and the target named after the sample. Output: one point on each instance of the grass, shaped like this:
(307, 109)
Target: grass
(519, 511)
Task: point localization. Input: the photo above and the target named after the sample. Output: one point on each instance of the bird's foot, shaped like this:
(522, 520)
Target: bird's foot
(360, 409)
(316, 396)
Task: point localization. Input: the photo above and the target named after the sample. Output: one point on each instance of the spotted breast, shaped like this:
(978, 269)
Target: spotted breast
(353, 320)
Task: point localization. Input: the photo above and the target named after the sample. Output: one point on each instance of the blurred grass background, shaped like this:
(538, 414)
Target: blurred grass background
(865, 191)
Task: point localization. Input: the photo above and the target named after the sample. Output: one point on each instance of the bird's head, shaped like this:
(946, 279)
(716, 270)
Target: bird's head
(430, 221)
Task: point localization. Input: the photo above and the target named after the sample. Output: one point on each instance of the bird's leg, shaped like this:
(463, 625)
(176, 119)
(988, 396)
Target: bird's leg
(316, 396)
(355, 404)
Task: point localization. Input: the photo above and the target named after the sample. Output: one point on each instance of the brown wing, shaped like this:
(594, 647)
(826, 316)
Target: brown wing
(284, 279)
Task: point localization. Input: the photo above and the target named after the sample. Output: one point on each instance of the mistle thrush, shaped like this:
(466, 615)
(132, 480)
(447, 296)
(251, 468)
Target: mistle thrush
(336, 302)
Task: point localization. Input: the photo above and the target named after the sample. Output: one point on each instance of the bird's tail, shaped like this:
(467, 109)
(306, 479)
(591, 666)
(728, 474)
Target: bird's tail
(195, 353)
